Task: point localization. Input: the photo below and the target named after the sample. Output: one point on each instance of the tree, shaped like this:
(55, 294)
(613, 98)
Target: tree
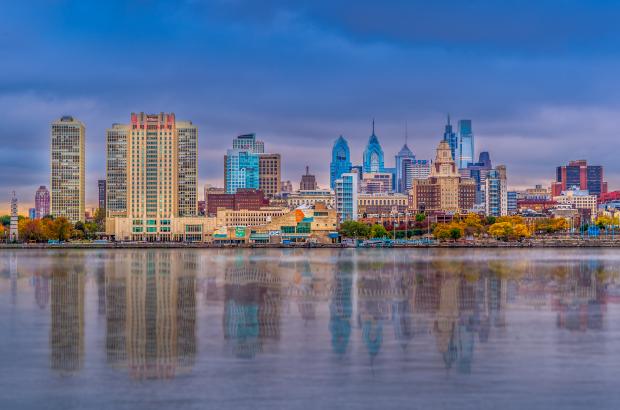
(420, 217)
(100, 219)
(354, 229)
(473, 224)
(456, 232)
(441, 231)
(521, 231)
(31, 230)
(490, 220)
(501, 230)
(60, 229)
(378, 231)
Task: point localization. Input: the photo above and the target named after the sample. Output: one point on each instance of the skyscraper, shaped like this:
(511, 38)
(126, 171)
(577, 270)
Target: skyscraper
(248, 142)
(581, 175)
(117, 142)
(496, 192)
(41, 202)
(412, 169)
(373, 154)
(404, 154)
(187, 168)
(341, 161)
(478, 172)
(308, 181)
(67, 168)
(241, 170)
(101, 190)
(269, 174)
(466, 143)
(346, 197)
(450, 137)
(13, 232)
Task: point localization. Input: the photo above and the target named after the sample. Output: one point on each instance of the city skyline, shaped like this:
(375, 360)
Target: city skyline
(317, 71)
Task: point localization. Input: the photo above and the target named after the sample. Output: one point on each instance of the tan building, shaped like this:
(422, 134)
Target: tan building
(152, 172)
(316, 224)
(67, 169)
(373, 204)
(445, 189)
(376, 183)
(269, 174)
(310, 198)
(245, 217)
(578, 199)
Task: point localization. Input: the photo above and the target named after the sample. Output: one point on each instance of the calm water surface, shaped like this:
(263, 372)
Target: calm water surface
(298, 329)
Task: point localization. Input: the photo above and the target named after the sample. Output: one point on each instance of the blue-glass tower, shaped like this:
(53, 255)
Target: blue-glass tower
(241, 170)
(404, 153)
(341, 161)
(450, 137)
(373, 154)
(466, 143)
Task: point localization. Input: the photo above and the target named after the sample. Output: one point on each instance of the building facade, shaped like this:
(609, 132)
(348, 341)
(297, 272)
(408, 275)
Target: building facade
(249, 199)
(466, 143)
(579, 199)
(248, 217)
(413, 169)
(241, 170)
(581, 175)
(478, 171)
(346, 194)
(376, 183)
(496, 203)
(13, 222)
(451, 138)
(311, 198)
(341, 161)
(187, 168)
(42, 202)
(373, 154)
(269, 174)
(381, 204)
(444, 190)
(67, 169)
(308, 181)
(405, 154)
(101, 203)
(248, 142)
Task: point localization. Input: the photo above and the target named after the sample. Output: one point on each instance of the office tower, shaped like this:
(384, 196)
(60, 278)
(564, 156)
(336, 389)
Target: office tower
(248, 142)
(373, 154)
(341, 160)
(496, 192)
(581, 175)
(67, 170)
(450, 137)
(187, 168)
(513, 206)
(42, 202)
(13, 231)
(269, 174)
(478, 172)
(308, 181)
(444, 190)
(241, 170)
(466, 143)
(405, 154)
(32, 213)
(376, 183)
(346, 197)
(413, 169)
(101, 189)
(151, 177)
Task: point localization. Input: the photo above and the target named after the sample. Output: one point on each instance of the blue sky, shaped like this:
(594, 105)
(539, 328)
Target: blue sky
(537, 78)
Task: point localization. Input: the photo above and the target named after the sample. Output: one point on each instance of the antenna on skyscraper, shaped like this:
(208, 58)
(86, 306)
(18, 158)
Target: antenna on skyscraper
(373, 126)
(448, 118)
(406, 133)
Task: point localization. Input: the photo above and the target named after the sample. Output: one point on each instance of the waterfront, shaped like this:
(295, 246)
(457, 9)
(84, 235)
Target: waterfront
(296, 328)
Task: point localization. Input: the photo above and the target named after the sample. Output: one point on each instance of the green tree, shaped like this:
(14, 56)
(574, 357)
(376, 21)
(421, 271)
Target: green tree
(456, 232)
(354, 229)
(420, 217)
(378, 231)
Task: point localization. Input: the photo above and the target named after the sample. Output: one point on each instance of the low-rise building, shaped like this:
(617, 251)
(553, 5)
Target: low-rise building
(376, 182)
(579, 199)
(178, 229)
(251, 199)
(311, 197)
(248, 217)
(377, 204)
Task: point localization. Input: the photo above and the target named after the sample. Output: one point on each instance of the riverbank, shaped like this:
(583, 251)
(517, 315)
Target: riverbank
(531, 243)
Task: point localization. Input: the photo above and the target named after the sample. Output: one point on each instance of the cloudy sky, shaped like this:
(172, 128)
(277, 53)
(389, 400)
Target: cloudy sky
(537, 78)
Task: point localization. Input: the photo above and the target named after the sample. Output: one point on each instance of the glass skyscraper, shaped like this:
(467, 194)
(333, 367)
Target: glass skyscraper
(404, 154)
(466, 144)
(450, 137)
(341, 161)
(241, 170)
(373, 154)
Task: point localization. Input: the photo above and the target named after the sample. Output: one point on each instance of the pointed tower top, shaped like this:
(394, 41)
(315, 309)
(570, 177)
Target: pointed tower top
(373, 126)
(406, 133)
(448, 118)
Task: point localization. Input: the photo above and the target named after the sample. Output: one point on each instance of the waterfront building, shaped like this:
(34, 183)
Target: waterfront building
(248, 217)
(381, 203)
(308, 181)
(241, 170)
(496, 189)
(13, 231)
(311, 198)
(405, 154)
(445, 189)
(512, 202)
(478, 171)
(269, 174)
(67, 169)
(579, 199)
(248, 142)
(581, 175)
(151, 179)
(249, 199)
(413, 169)
(101, 193)
(451, 138)
(466, 143)
(376, 183)
(42, 202)
(341, 161)
(373, 154)
(346, 197)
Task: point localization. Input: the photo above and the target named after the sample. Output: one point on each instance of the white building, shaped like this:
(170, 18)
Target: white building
(346, 197)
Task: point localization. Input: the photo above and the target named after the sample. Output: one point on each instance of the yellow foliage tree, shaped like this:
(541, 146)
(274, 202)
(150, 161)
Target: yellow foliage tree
(501, 230)
(521, 231)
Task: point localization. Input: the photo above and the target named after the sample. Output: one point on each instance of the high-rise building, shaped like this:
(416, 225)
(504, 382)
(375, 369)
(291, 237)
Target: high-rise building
(513, 204)
(42, 202)
(241, 170)
(151, 178)
(405, 154)
(478, 172)
(67, 168)
(13, 231)
(581, 175)
(373, 154)
(376, 183)
(453, 142)
(341, 161)
(269, 174)
(346, 197)
(444, 190)
(466, 143)
(413, 169)
(496, 192)
(248, 142)
(101, 189)
(32, 213)
(308, 181)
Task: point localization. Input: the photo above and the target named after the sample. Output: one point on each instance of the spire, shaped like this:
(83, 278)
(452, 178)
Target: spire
(448, 118)
(406, 133)
(307, 170)
(373, 126)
